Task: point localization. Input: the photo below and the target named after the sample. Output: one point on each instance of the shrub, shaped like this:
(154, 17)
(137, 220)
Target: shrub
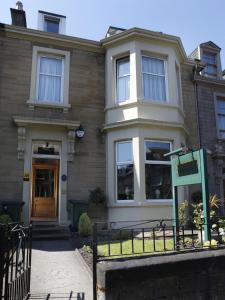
(97, 196)
(5, 219)
(182, 212)
(84, 226)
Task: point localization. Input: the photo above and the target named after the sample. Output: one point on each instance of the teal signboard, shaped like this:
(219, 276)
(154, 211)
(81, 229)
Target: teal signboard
(187, 169)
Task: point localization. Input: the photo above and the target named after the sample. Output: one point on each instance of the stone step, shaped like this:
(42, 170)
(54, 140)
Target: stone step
(50, 232)
(68, 296)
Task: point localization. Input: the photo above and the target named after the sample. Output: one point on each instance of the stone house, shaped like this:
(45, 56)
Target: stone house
(209, 86)
(131, 95)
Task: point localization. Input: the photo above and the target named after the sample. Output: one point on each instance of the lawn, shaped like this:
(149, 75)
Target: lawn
(125, 247)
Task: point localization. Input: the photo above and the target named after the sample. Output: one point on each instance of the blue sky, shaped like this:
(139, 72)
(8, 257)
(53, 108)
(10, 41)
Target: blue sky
(194, 21)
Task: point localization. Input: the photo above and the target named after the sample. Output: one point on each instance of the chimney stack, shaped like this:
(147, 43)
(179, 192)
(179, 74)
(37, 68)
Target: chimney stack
(19, 5)
(18, 15)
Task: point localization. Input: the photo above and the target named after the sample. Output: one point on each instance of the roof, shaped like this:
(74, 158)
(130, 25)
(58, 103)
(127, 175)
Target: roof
(210, 44)
(144, 33)
(51, 14)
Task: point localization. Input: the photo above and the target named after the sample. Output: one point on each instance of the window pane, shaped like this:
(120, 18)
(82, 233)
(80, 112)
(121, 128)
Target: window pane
(51, 25)
(156, 150)
(44, 183)
(49, 88)
(123, 67)
(154, 87)
(209, 58)
(221, 106)
(123, 88)
(124, 152)
(153, 66)
(221, 121)
(51, 66)
(158, 182)
(123, 80)
(125, 182)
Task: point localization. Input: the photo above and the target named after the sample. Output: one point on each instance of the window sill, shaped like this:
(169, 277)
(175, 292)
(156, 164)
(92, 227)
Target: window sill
(32, 104)
(159, 201)
(124, 201)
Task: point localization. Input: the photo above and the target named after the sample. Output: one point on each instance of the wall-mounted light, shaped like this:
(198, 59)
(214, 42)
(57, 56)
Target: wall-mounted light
(80, 132)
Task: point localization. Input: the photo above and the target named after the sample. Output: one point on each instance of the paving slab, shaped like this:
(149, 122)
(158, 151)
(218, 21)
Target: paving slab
(57, 271)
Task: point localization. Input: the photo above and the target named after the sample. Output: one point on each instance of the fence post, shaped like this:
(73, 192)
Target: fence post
(30, 254)
(6, 270)
(2, 256)
(95, 256)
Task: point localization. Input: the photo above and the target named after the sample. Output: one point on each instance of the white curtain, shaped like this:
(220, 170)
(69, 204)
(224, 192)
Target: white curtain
(154, 79)
(50, 76)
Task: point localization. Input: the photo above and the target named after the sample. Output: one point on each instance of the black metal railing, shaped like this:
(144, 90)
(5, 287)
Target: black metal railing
(148, 237)
(15, 261)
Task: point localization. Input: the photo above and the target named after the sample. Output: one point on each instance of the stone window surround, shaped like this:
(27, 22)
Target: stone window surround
(45, 15)
(32, 102)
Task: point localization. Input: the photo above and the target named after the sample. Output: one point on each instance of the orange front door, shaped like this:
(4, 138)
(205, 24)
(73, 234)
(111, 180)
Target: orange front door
(45, 190)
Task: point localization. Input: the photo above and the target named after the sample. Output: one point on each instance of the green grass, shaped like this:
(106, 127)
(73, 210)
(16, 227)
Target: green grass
(115, 248)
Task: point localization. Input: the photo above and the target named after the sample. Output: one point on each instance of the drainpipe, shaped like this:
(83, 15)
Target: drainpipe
(195, 71)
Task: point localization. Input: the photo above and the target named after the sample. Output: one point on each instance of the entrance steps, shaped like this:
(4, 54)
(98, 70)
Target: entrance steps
(67, 296)
(49, 231)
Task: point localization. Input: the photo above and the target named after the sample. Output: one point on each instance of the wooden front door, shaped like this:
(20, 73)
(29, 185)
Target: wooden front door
(45, 190)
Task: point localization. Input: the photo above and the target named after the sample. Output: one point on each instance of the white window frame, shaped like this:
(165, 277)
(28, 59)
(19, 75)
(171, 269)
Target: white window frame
(216, 95)
(44, 15)
(156, 162)
(165, 75)
(38, 76)
(209, 75)
(49, 52)
(119, 59)
(123, 163)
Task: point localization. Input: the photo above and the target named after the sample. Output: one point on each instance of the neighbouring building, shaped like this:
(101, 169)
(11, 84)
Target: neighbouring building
(133, 95)
(210, 100)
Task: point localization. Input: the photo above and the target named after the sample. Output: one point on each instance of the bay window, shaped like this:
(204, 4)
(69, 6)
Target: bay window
(124, 171)
(123, 79)
(154, 79)
(157, 171)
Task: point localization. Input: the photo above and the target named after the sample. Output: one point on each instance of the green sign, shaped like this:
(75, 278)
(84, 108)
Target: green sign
(187, 169)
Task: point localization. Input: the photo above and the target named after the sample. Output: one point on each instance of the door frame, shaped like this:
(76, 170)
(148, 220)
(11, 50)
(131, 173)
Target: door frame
(56, 186)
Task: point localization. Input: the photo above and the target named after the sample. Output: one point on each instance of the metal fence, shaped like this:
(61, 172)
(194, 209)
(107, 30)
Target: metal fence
(15, 261)
(118, 240)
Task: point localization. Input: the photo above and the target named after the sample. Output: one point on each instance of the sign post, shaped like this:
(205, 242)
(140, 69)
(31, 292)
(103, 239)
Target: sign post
(187, 169)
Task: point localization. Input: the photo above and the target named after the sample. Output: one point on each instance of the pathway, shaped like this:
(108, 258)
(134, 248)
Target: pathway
(58, 273)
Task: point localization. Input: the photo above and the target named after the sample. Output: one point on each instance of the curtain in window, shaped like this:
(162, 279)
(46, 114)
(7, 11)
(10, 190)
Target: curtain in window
(154, 79)
(50, 76)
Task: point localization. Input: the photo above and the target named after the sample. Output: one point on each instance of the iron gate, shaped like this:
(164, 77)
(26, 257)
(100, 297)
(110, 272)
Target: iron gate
(15, 261)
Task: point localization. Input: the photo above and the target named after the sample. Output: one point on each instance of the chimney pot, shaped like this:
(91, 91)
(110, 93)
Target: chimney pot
(19, 5)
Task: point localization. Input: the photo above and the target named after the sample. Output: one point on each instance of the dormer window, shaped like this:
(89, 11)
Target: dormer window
(210, 60)
(50, 22)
